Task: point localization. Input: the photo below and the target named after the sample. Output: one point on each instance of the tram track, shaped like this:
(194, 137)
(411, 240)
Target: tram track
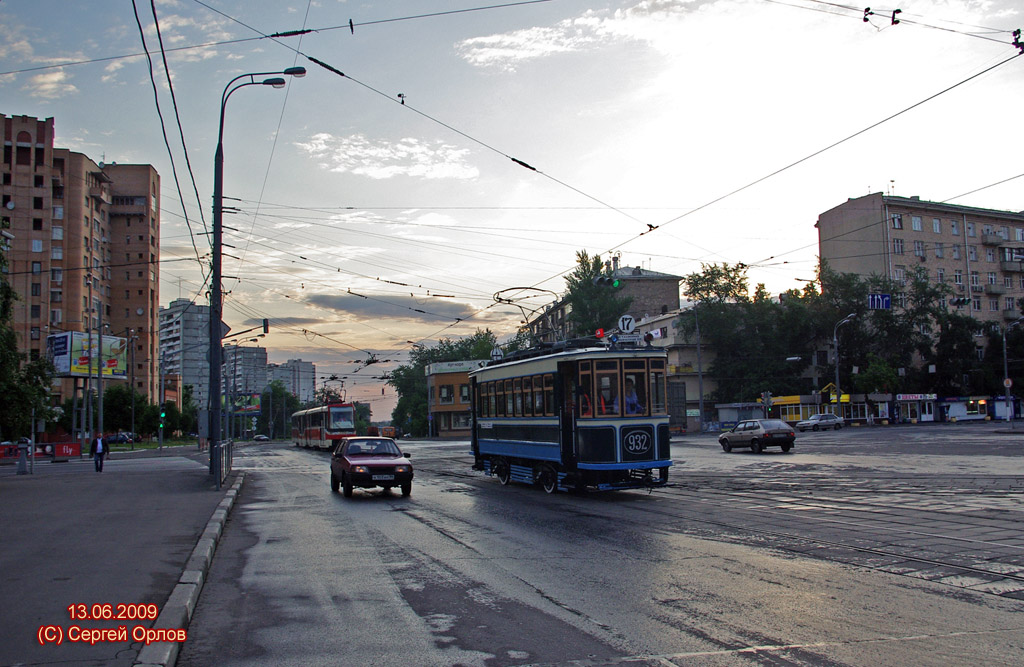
(996, 577)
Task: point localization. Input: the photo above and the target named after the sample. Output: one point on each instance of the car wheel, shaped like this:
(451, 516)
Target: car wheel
(503, 471)
(814, 428)
(346, 486)
(786, 448)
(838, 426)
(726, 447)
(755, 446)
(406, 488)
(334, 482)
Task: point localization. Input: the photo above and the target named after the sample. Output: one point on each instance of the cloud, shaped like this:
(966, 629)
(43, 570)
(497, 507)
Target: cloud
(382, 159)
(505, 51)
(51, 85)
(395, 307)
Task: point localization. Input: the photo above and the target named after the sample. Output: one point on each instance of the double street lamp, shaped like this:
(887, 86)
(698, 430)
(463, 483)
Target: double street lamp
(216, 297)
(835, 344)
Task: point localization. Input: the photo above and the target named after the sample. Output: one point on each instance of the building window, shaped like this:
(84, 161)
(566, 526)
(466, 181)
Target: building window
(56, 316)
(897, 246)
(57, 252)
(900, 299)
(56, 296)
(969, 226)
(463, 393)
(900, 275)
(919, 248)
(897, 221)
(936, 226)
(446, 394)
(37, 203)
(37, 267)
(991, 277)
(57, 233)
(940, 275)
(1020, 233)
(37, 245)
(36, 289)
(57, 275)
(1008, 282)
(972, 253)
(915, 223)
(990, 255)
(975, 279)
(954, 227)
(35, 311)
(939, 250)
(1009, 303)
(956, 252)
(976, 304)
(993, 305)
(958, 277)
(37, 224)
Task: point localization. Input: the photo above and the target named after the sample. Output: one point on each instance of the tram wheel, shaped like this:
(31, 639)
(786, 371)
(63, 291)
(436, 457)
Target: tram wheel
(503, 472)
(549, 480)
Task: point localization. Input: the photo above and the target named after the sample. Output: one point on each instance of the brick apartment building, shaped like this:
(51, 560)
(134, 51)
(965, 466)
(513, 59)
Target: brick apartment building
(86, 246)
(978, 252)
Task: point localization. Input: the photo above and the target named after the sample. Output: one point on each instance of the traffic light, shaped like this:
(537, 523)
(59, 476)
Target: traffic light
(607, 281)
(163, 415)
(959, 301)
(266, 325)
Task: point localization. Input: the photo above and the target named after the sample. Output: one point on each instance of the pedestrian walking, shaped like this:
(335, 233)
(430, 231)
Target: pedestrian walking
(98, 451)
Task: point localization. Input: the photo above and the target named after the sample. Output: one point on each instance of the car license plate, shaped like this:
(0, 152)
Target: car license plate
(377, 478)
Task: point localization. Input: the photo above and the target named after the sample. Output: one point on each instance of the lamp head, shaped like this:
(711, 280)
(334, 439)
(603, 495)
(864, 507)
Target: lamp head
(276, 82)
(297, 72)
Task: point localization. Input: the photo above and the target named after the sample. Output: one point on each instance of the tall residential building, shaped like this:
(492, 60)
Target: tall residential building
(184, 343)
(245, 369)
(298, 377)
(86, 246)
(978, 252)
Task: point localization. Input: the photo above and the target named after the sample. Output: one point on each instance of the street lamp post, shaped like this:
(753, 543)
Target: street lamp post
(835, 344)
(1006, 371)
(216, 302)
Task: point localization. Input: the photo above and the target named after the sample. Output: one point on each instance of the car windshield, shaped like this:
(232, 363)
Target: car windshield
(774, 423)
(373, 448)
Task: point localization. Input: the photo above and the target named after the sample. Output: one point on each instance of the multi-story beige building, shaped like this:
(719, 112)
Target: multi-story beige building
(978, 252)
(86, 246)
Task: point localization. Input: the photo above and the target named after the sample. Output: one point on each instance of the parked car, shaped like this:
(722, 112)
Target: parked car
(260, 438)
(370, 462)
(758, 434)
(820, 422)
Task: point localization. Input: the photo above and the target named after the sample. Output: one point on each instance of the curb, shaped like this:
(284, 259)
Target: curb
(177, 611)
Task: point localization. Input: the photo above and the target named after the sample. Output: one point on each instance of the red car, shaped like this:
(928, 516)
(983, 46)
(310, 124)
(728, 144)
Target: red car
(370, 462)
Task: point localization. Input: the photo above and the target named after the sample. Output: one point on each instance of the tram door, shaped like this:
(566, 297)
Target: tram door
(565, 380)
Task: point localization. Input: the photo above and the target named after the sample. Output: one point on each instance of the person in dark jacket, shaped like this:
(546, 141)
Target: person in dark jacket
(98, 450)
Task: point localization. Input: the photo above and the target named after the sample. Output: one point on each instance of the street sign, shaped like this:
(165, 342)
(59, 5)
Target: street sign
(1007, 383)
(627, 324)
(628, 338)
(879, 301)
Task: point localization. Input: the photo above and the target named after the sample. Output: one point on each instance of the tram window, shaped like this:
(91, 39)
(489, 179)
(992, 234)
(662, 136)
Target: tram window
(549, 394)
(517, 390)
(607, 380)
(509, 399)
(584, 396)
(499, 399)
(526, 409)
(658, 404)
(538, 395)
(634, 392)
(492, 405)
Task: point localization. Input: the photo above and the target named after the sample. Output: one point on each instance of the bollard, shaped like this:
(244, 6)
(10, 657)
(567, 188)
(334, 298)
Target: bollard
(22, 458)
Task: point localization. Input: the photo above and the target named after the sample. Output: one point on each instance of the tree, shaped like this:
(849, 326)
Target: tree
(24, 385)
(717, 283)
(592, 306)
(410, 380)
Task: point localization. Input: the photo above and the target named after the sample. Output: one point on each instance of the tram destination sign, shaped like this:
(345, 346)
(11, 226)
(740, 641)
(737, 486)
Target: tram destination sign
(880, 302)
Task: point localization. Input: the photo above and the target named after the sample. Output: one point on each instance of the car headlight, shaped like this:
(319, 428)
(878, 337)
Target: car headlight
(360, 469)
(403, 469)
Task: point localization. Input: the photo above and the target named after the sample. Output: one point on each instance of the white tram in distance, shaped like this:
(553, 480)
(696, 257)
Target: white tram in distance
(324, 426)
(573, 418)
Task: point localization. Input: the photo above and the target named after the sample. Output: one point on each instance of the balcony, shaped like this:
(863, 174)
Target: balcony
(977, 289)
(1016, 266)
(1011, 314)
(100, 194)
(995, 289)
(992, 239)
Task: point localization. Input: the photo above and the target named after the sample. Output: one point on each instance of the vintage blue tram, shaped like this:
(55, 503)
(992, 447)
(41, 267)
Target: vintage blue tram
(573, 417)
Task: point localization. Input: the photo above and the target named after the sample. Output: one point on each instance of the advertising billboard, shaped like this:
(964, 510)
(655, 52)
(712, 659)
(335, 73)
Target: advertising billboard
(241, 404)
(73, 356)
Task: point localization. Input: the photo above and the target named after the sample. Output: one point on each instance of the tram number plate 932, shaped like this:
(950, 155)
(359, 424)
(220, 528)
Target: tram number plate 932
(382, 477)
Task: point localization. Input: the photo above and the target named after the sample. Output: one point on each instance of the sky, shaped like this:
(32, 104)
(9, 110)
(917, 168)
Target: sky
(470, 149)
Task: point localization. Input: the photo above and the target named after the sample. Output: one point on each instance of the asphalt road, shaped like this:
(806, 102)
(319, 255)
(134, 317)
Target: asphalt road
(863, 547)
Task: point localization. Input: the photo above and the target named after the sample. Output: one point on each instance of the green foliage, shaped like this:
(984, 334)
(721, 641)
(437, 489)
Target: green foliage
(878, 378)
(592, 306)
(24, 386)
(410, 380)
(276, 408)
(717, 283)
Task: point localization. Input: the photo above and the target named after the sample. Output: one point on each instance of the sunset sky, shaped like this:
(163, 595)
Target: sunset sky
(471, 148)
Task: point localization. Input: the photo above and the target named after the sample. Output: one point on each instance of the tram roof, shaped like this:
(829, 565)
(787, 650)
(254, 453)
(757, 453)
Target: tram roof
(549, 353)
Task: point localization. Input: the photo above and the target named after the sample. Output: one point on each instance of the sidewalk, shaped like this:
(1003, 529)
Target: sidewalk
(142, 532)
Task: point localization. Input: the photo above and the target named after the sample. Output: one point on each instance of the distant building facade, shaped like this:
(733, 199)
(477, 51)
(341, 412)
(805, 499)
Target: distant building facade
(978, 252)
(245, 369)
(449, 400)
(298, 377)
(652, 293)
(85, 250)
(184, 346)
